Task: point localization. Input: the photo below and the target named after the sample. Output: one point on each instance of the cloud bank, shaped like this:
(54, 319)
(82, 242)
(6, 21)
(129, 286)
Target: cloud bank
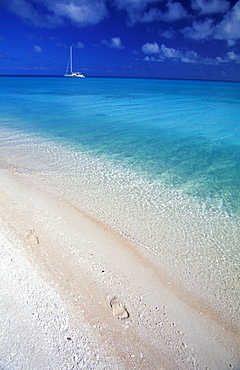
(163, 53)
(210, 7)
(201, 16)
(205, 21)
(55, 13)
(228, 28)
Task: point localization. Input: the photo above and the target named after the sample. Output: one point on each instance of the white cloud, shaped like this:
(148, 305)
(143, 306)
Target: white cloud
(134, 8)
(165, 52)
(220, 60)
(231, 42)
(152, 15)
(151, 48)
(231, 55)
(57, 12)
(190, 57)
(199, 30)
(210, 6)
(81, 12)
(25, 10)
(136, 11)
(229, 27)
(192, 54)
(114, 43)
(175, 12)
(80, 45)
(170, 52)
(151, 59)
(54, 13)
(38, 49)
(187, 60)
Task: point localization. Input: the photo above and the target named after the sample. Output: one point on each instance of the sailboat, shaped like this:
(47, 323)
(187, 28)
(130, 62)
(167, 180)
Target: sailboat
(69, 66)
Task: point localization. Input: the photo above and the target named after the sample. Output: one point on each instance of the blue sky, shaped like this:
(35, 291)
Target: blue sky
(140, 38)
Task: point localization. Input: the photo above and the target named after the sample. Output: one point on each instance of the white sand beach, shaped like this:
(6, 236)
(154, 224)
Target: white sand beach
(75, 295)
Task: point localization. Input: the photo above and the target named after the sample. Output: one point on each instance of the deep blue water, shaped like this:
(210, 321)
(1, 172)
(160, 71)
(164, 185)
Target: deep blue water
(185, 134)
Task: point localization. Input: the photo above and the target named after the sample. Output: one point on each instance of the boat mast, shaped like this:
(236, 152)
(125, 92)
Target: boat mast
(71, 59)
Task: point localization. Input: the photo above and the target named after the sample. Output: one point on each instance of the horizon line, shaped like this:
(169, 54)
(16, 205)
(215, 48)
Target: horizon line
(122, 77)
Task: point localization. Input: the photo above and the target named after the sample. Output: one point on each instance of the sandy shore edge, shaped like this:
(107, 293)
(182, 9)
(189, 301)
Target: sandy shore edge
(65, 281)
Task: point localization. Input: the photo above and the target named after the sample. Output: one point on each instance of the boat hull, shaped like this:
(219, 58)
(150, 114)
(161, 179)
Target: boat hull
(74, 75)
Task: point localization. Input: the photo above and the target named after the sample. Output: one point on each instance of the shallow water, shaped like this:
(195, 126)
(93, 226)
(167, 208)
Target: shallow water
(157, 160)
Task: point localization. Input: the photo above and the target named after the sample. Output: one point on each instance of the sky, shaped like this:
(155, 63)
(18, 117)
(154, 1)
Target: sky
(193, 39)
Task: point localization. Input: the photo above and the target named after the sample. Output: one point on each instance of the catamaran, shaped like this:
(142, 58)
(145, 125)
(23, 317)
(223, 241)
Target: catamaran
(69, 66)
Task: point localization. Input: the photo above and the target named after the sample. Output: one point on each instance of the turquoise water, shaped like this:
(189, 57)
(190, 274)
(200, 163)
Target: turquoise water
(184, 134)
(158, 160)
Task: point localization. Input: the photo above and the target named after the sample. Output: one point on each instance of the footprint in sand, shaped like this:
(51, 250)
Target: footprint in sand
(118, 309)
(31, 237)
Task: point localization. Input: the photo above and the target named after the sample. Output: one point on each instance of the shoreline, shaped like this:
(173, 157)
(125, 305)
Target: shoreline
(193, 248)
(81, 262)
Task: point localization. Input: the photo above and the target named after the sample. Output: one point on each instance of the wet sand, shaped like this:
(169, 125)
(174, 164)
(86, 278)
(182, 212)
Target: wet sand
(76, 295)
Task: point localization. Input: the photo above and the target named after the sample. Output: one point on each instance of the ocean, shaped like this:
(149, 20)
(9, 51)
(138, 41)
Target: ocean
(156, 160)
